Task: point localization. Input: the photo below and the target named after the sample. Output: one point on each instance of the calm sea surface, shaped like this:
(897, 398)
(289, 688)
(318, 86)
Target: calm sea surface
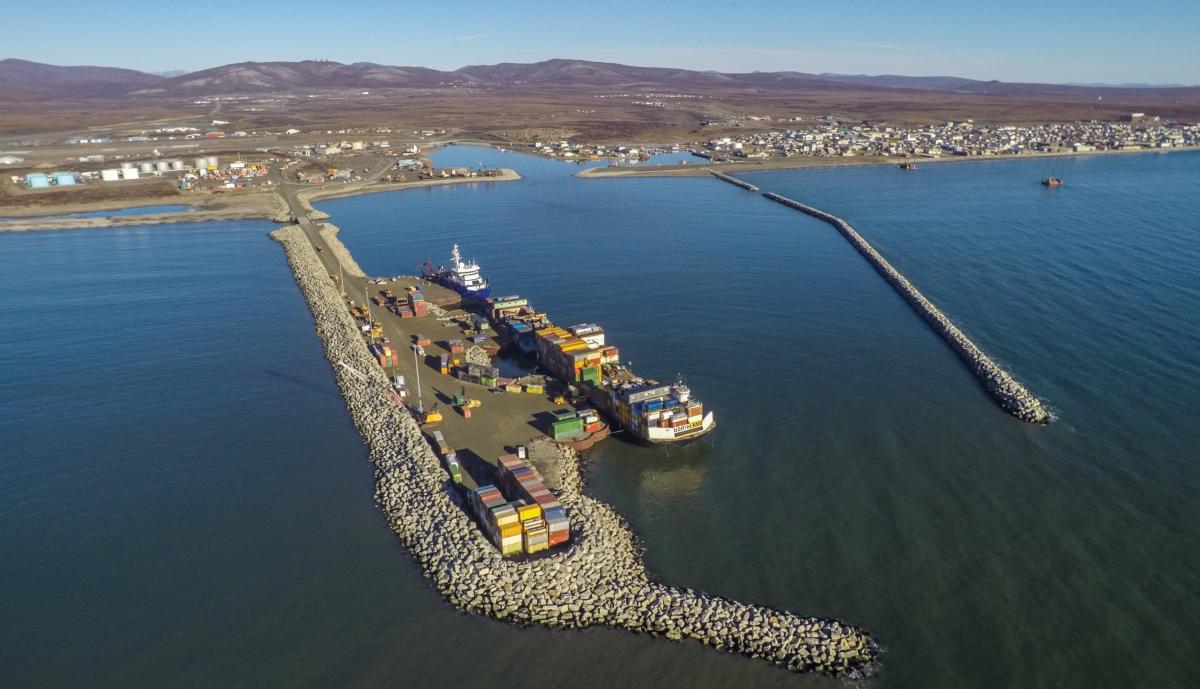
(117, 212)
(184, 502)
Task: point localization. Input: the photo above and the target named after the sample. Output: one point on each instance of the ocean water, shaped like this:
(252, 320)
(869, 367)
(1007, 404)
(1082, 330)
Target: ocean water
(116, 212)
(200, 512)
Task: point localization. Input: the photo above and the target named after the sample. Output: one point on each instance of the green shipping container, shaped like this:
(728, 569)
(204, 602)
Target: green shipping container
(567, 427)
(590, 374)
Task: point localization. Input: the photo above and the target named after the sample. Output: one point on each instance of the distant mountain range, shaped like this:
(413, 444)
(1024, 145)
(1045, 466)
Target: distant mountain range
(34, 80)
(21, 79)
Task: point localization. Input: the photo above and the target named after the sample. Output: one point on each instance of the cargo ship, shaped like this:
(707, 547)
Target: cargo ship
(461, 276)
(648, 410)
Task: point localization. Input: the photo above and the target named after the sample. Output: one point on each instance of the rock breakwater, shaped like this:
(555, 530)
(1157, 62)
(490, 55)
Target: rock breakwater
(1013, 397)
(731, 179)
(599, 579)
(329, 232)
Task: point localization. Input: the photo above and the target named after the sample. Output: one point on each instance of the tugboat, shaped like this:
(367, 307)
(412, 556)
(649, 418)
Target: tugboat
(461, 276)
(1052, 181)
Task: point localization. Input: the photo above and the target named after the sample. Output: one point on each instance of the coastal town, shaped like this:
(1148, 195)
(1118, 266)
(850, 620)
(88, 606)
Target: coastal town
(333, 156)
(832, 138)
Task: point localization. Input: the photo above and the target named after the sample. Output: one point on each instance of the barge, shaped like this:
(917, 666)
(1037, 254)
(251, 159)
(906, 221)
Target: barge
(650, 411)
(515, 321)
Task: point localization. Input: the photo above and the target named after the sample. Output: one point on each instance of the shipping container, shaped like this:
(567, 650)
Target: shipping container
(511, 546)
(528, 512)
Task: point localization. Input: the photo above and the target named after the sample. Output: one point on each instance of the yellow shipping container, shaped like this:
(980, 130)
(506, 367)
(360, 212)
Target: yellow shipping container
(510, 547)
(534, 389)
(527, 512)
(510, 530)
(532, 548)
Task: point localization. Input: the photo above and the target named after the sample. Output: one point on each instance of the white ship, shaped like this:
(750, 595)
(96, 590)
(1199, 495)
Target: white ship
(461, 276)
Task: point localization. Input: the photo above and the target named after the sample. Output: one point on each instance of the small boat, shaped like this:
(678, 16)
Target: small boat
(1052, 181)
(907, 166)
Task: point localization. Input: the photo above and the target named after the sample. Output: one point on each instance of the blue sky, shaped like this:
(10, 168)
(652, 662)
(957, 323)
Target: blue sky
(1061, 41)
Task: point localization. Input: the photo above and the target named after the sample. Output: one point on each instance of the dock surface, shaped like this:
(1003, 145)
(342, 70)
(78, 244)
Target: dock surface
(598, 578)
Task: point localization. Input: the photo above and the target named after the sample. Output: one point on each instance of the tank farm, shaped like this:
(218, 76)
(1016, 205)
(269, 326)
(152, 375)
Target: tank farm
(499, 521)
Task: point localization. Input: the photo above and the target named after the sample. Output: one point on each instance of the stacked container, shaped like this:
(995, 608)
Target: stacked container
(479, 373)
(589, 333)
(536, 535)
(416, 303)
(558, 528)
(384, 353)
(591, 421)
(508, 535)
(566, 426)
(502, 307)
(499, 520)
(483, 499)
(569, 356)
(536, 502)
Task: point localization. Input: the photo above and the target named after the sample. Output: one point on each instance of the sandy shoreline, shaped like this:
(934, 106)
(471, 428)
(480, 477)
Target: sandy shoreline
(258, 206)
(699, 169)
(308, 196)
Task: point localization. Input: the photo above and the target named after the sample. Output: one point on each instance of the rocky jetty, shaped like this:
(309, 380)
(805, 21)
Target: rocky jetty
(329, 232)
(599, 579)
(1013, 397)
(731, 179)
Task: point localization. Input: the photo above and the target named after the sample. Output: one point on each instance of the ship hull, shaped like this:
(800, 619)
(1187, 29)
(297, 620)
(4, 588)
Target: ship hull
(668, 436)
(463, 291)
